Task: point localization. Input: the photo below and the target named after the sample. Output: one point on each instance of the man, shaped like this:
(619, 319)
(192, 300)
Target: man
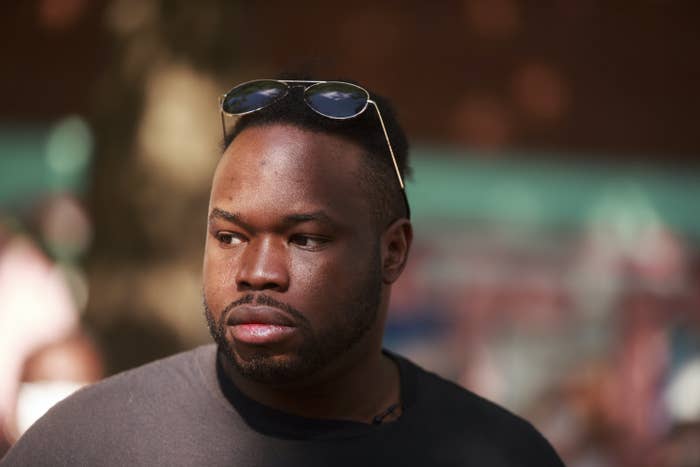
(308, 228)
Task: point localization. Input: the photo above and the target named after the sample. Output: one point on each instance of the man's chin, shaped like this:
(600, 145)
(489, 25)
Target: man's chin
(269, 368)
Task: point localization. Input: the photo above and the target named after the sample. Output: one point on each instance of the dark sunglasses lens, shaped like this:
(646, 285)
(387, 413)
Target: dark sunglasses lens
(336, 100)
(253, 96)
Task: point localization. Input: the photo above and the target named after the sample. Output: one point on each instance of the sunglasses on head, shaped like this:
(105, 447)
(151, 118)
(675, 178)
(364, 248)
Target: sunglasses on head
(337, 100)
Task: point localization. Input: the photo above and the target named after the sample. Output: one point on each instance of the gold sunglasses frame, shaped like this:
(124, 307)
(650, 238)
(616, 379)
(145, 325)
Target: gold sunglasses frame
(311, 84)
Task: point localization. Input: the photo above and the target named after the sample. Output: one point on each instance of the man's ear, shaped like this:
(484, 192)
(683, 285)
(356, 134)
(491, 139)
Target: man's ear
(396, 243)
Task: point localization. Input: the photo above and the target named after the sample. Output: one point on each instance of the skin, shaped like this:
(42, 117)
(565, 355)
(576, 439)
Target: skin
(289, 221)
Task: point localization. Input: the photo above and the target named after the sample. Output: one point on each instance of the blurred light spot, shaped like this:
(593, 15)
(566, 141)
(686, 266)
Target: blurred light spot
(492, 19)
(624, 218)
(65, 227)
(683, 395)
(35, 399)
(180, 128)
(540, 91)
(659, 260)
(60, 14)
(69, 146)
(483, 122)
(36, 306)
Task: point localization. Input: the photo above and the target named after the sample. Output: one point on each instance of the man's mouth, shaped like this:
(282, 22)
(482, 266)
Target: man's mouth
(260, 325)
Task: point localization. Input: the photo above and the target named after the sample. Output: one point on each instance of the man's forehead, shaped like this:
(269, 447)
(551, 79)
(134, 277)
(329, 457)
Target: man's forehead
(287, 150)
(291, 165)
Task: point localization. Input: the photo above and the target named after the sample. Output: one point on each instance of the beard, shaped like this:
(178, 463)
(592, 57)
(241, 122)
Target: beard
(351, 320)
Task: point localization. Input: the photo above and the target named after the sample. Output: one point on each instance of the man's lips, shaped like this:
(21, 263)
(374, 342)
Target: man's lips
(254, 324)
(257, 314)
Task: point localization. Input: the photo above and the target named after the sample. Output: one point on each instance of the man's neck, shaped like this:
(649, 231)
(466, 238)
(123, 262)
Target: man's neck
(356, 392)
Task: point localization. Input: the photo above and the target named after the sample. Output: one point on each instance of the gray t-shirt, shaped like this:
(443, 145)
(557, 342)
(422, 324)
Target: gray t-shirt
(182, 411)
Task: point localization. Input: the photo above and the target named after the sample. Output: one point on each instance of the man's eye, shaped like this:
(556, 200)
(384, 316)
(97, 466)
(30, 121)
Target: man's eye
(228, 238)
(309, 242)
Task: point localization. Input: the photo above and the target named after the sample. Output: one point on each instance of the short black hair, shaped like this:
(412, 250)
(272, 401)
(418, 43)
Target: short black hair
(378, 179)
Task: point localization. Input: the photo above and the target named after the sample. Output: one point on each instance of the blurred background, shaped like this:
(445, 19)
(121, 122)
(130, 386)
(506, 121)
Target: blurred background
(556, 195)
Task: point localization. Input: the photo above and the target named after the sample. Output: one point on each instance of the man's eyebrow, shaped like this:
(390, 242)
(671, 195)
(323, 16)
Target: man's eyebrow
(317, 216)
(217, 213)
(290, 220)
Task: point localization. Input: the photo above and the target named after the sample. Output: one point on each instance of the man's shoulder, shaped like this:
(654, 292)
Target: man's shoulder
(122, 410)
(165, 376)
(476, 425)
(432, 390)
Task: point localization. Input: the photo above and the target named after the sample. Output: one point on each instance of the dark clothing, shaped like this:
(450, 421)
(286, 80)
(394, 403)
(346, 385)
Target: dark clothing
(181, 411)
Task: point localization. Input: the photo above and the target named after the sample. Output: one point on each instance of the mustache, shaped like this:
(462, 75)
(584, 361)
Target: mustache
(266, 300)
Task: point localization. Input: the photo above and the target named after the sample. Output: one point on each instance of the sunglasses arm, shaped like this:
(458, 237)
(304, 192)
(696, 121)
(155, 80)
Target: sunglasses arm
(221, 113)
(388, 143)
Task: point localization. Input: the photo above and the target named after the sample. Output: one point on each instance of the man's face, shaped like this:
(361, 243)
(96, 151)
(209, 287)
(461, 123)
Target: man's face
(292, 274)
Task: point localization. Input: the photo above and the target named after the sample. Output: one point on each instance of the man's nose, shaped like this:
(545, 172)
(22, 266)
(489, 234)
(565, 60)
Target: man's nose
(263, 265)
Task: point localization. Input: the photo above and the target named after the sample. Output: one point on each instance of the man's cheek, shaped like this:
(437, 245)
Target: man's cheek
(215, 296)
(220, 273)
